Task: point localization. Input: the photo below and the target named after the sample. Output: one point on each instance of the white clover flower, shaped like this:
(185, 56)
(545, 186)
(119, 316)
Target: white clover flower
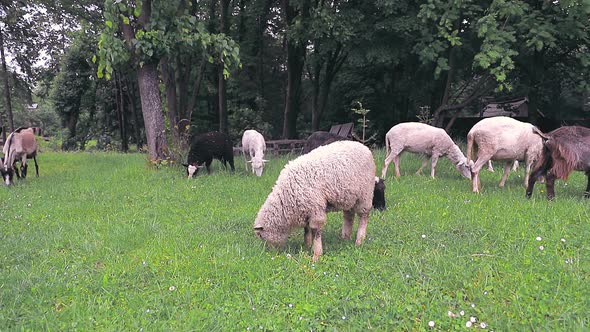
(485, 293)
(541, 248)
(538, 238)
(343, 317)
(462, 313)
(431, 323)
(483, 325)
(423, 236)
(288, 255)
(468, 324)
(290, 305)
(253, 308)
(472, 319)
(473, 305)
(172, 288)
(451, 314)
(563, 240)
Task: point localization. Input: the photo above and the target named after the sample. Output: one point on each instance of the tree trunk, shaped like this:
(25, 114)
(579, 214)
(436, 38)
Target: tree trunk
(168, 77)
(7, 98)
(121, 115)
(295, 62)
(147, 77)
(149, 91)
(136, 118)
(439, 113)
(70, 142)
(221, 89)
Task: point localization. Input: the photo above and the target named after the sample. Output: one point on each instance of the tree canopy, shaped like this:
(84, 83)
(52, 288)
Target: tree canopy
(157, 72)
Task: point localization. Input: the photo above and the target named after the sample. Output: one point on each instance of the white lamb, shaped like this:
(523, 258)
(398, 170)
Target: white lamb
(253, 143)
(506, 139)
(427, 140)
(338, 176)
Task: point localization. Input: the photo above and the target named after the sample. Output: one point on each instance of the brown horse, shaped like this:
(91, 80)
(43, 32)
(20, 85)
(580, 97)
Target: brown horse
(565, 150)
(20, 145)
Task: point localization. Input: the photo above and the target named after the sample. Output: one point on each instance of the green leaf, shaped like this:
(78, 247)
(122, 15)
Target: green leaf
(109, 24)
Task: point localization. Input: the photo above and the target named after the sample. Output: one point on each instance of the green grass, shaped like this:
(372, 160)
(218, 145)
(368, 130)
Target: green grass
(104, 242)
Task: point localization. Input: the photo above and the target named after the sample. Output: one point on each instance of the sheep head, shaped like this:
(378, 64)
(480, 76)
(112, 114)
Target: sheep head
(6, 172)
(271, 227)
(192, 169)
(257, 165)
(464, 169)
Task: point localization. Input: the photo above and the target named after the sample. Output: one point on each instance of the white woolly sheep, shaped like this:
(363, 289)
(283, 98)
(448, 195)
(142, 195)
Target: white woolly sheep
(334, 177)
(502, 138)
(424, 139)
(253, 143)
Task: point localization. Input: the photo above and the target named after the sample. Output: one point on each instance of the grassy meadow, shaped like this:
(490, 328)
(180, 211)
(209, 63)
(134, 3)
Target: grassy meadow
(102, 241)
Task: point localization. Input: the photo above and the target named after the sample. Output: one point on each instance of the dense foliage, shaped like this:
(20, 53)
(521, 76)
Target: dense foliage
(295, 66)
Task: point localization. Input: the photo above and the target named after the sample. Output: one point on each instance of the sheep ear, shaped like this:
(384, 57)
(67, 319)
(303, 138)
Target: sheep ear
(461, 163)
(249, 161)
(264, 160)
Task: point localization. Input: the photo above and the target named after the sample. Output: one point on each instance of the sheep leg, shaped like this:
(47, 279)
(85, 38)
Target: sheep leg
(433, 162)
(490, 166)
(388, 160)
(231, 165)
(36, 166)
(396, 164)
(307, 236)
(424, 162)
(534, 177)
(16, 171)
(505, 175)
(208, 166)
(527, 170)
(361, 233)
(587, 193)
(316, 233)
(347, 224)
(550, 183)
(245, 161)
(475, 182)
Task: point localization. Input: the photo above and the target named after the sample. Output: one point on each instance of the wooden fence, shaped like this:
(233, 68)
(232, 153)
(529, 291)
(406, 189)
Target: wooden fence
(278, 147)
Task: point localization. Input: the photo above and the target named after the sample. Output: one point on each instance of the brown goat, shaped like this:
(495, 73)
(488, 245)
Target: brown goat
(565, 150)
(20, 145)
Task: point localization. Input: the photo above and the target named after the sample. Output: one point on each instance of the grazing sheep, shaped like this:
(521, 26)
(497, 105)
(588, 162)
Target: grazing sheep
(502, 138)
(320, 138)
(338, 176)
(566, 149)
(205, 147)
(253, 143)
(427, 140)
(20, 145)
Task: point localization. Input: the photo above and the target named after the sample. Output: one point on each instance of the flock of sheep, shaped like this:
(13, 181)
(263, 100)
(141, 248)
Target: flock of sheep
(336, 174)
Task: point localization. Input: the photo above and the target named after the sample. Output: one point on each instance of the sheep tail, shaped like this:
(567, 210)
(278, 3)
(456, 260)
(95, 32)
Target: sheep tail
(469, 147)
(540, 133)
(563, 157)
(387, 146)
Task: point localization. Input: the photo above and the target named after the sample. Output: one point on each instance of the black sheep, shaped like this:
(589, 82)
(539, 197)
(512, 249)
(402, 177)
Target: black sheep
(205, 147)
(320, 138)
